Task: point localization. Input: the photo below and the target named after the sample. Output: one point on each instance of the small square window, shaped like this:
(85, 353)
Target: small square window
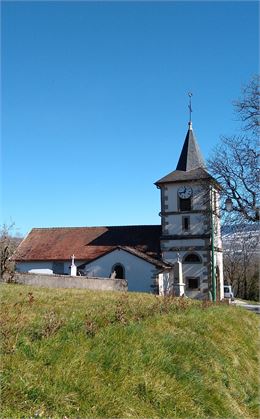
(193, 282)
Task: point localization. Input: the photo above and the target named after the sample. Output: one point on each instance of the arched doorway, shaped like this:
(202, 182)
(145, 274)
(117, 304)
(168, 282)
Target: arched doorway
(119, 269)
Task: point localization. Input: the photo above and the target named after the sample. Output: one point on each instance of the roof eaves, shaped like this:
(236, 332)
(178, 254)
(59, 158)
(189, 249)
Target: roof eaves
(146, 257)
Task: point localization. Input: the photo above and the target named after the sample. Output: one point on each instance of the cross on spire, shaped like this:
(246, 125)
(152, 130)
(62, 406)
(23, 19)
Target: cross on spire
(190, 108)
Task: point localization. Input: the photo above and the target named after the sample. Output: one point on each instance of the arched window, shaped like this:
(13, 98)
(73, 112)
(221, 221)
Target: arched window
(192, 258)
(119, 270)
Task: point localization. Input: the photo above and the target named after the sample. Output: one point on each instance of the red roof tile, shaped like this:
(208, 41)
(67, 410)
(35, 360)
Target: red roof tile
(87, 243)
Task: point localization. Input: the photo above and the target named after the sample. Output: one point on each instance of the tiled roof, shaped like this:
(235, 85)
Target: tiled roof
(146, 257)
(157, 262)
(87, 243)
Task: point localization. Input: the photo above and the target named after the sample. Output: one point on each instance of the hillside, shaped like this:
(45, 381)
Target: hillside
(83, 354)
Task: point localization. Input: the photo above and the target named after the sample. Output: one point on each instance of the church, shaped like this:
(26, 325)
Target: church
(186, 249)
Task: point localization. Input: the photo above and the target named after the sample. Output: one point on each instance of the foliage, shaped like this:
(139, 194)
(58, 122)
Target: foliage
(78, 353)
(235, 164)
(8, 244)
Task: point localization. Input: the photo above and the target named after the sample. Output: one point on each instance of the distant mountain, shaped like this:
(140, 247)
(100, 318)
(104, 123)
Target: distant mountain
(235, 228)
(241, 238)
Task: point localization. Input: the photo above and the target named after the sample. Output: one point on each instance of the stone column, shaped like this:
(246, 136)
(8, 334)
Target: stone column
(179, 286)
(73, 267)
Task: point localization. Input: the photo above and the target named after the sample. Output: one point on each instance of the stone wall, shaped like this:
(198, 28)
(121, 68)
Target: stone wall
(65, 281)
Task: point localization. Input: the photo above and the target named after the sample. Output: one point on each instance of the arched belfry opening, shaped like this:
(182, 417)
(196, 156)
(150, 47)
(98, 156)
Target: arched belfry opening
(192, 258)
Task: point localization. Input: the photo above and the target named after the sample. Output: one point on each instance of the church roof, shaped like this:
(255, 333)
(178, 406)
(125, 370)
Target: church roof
(180, 176)
(191, 165)
(88, 243)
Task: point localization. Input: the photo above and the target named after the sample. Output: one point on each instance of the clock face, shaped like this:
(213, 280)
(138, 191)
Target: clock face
(185, 192)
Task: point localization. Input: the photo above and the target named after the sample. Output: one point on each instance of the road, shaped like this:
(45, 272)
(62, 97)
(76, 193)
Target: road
(251, 307)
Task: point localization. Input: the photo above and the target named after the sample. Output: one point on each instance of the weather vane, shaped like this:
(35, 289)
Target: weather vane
(190, 108)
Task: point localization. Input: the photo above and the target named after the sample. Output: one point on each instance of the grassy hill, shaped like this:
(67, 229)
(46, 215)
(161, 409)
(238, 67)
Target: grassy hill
(84, 354)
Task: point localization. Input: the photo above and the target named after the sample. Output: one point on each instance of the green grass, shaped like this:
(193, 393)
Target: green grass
(84, 354)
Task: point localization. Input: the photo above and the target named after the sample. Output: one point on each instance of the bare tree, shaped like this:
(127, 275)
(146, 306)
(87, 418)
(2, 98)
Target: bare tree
(247, 107)
(8, 244)
(235, 167)
(241, 254)
(234, 163)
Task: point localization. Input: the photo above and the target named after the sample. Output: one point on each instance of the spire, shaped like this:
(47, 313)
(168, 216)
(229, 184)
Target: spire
(190, 157)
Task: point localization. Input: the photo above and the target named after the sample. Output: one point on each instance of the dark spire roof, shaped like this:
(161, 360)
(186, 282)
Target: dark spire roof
(191, 157)
(191, 165)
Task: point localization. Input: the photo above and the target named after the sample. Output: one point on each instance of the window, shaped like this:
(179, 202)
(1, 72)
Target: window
(193, 282)
(185, 223)
(185, 204)
(192, 258)
(119, 270)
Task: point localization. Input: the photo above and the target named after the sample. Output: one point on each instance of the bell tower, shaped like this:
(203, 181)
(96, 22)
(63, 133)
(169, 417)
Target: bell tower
(191, 223)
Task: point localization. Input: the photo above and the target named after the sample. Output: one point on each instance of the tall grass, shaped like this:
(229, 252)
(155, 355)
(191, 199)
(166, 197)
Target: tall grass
(77, 353)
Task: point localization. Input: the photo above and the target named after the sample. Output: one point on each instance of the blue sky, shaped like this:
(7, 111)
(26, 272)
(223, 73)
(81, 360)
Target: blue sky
(95, 106)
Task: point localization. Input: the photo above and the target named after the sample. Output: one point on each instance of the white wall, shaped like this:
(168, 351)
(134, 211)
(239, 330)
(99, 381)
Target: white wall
(43, 267)
(190, 270)
(40, 267)
(138, 273)
(194, 270)
(166, 245)
(174, 221)
(175, 224)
